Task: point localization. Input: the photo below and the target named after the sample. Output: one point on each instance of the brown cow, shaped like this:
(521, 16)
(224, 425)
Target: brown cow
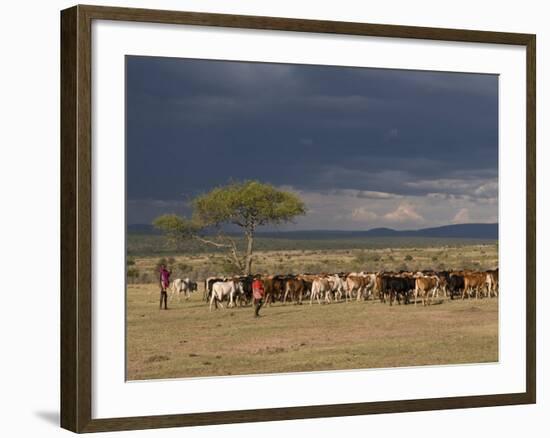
(359, 284)
(443, 278)
(424, 285)
(474, 282)
(296, 288)
(492, 283)
(379, 286)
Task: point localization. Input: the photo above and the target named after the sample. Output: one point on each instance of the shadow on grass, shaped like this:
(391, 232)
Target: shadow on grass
(419, 303)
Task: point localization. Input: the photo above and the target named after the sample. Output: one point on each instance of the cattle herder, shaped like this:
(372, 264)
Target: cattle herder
(164, 283)
(258, 293)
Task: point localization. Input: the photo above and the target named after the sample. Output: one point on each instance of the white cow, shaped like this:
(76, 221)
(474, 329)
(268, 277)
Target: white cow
(223, 289)
(319, 287)
(182, 285)
(207, 293)
(337, 286)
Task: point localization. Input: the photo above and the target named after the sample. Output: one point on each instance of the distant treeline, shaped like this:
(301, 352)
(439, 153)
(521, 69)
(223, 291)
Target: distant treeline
(153, 244)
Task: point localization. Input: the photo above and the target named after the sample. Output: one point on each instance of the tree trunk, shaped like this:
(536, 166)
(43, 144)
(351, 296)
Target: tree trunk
(249, 249)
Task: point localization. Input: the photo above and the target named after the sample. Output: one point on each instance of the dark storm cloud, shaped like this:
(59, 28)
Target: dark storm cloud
(194, 124)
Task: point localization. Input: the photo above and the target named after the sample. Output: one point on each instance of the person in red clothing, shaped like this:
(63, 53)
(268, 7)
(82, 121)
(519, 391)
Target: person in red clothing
(258, 293)
(164, 283)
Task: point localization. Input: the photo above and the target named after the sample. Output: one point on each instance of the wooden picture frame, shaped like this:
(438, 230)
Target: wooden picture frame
(76, 218)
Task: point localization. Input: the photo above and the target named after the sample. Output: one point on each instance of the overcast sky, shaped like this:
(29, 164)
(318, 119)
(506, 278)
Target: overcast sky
(364, 148)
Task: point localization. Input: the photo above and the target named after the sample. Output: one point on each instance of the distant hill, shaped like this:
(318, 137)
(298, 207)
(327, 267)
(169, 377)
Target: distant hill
(467, 231)
(458, 231)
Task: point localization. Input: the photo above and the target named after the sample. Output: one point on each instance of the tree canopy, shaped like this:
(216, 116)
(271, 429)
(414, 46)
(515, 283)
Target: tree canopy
(247, 204)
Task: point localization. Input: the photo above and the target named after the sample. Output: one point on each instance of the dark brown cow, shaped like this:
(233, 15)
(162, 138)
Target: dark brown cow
(308, 281)
(396, 287)
(246, 297)
(274, 287)
(455, 284)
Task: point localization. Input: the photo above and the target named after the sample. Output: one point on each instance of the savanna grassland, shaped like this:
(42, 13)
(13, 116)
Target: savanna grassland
(188, 340)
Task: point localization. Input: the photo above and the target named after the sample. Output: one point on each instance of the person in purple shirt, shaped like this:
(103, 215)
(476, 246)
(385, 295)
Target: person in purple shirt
(164, 283)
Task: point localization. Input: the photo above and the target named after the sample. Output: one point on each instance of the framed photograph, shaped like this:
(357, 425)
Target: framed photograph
(270, 218)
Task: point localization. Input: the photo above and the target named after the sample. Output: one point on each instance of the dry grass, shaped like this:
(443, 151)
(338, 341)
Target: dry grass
(188, 340)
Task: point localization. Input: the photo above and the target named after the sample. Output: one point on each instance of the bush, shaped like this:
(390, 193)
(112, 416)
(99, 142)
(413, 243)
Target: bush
(360, 258)
(132, 274)
(130, 261)
(184, 267)
(408, 258)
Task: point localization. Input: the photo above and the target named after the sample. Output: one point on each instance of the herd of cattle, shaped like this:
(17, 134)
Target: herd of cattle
(386, 286)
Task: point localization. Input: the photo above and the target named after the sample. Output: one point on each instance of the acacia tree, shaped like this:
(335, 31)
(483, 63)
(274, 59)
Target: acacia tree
(248, 205)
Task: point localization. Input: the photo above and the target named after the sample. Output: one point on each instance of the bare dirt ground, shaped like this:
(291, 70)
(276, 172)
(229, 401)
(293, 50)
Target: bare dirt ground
(188, 340)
